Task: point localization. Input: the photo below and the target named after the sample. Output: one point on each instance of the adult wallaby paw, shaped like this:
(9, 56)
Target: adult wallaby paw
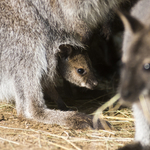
(83, 121)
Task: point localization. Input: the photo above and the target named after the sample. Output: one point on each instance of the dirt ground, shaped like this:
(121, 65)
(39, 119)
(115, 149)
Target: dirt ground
(17, 133)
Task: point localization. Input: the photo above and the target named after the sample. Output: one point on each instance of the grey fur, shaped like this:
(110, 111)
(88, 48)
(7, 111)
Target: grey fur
(31, 32)
(135, 76)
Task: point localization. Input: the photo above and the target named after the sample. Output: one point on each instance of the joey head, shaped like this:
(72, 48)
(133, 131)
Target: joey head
(74, 66)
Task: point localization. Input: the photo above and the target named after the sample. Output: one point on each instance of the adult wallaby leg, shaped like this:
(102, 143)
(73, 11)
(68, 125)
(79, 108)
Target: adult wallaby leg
(30, 103)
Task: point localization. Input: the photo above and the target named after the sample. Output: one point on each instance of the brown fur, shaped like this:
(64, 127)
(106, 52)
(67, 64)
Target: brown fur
(70, 60)
(68, 67)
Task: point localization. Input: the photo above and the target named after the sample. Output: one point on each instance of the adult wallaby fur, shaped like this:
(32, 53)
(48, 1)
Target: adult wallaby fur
(135, 75)
(32, 34)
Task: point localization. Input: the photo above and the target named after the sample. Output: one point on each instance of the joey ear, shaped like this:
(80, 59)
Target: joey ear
(65, 50)
(131, 24)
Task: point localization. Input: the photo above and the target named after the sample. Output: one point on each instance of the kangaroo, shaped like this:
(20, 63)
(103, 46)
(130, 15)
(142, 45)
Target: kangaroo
(135, 74)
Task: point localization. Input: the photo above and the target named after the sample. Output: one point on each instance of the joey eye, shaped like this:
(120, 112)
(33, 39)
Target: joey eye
(147, 66)
(81, 71)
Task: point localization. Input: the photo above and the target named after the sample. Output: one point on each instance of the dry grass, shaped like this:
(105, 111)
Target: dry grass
(18, 133)
(98, 114)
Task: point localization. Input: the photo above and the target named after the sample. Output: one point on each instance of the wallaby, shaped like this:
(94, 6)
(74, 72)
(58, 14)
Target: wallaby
(75, 66)
(135, 74)
(32, 35)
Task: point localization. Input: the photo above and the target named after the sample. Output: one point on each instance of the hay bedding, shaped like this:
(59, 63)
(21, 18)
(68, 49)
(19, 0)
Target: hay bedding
(18, 133)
